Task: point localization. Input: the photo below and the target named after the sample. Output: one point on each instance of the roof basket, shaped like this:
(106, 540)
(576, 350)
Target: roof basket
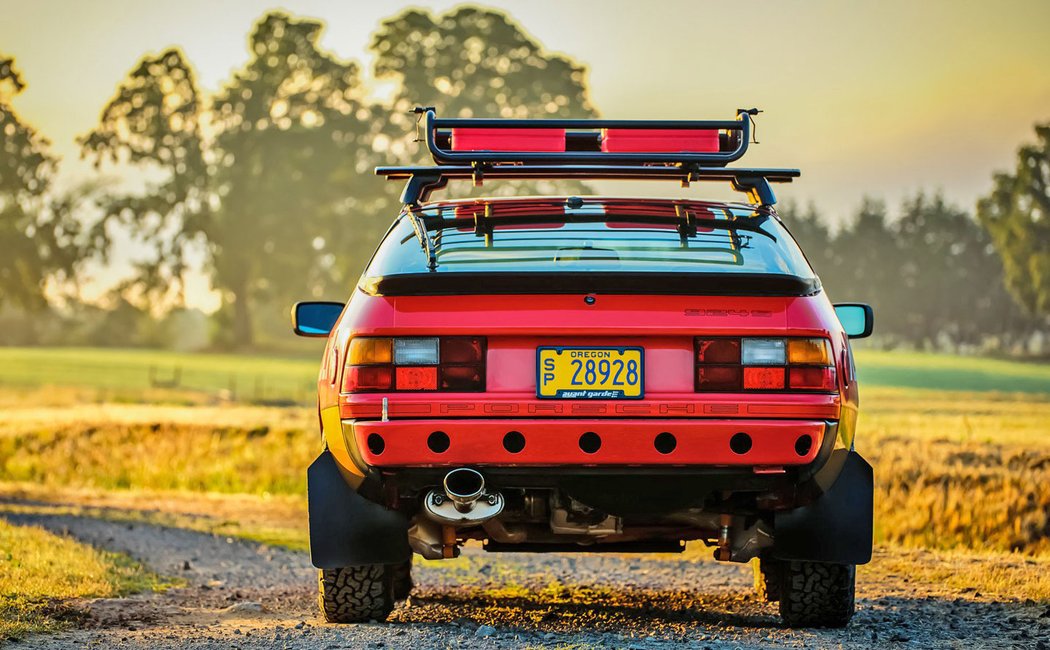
(515, 149)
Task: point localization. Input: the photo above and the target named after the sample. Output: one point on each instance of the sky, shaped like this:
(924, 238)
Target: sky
(874, 99)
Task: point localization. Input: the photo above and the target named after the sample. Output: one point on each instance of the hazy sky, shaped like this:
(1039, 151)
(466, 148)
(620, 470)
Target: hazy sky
(878, 98)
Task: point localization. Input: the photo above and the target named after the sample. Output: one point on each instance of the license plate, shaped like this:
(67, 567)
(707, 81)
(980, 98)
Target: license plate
(589, 373)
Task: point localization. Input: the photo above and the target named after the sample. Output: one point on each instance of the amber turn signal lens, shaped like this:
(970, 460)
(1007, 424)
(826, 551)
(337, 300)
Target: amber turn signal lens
(812, 352)
(370, 351)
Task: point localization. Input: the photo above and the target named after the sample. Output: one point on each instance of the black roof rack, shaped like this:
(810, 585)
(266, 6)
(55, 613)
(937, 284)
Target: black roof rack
(583, 157)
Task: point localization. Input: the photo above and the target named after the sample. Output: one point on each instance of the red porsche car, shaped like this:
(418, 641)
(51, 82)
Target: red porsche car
(564, 373)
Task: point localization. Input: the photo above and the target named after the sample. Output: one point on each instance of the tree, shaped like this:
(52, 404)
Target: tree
(864, 264)
(36, 237)
(931, 275)
(154, 121)
(810, 229)
(264, 177)
(950, 280)
(1017, 215)
(473, 62)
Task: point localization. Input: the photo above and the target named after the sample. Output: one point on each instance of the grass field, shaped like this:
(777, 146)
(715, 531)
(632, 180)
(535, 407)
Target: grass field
(157, 375)
(959, 446)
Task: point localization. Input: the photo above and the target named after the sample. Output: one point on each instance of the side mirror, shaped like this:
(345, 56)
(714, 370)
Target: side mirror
(857, 319)
(315, 318)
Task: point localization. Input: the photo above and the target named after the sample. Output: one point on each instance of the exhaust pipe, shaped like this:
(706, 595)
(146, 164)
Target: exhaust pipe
(465, 501)
(463, 487)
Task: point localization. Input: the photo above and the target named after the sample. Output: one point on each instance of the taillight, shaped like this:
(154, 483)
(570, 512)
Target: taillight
(726, 365)
(453, 363)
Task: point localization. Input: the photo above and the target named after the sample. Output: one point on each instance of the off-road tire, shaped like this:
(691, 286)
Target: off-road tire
(769, 574)
(815, 594)
(356, 594)
(402, 577)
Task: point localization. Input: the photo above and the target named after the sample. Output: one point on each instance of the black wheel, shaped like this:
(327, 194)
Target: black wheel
(769, 574)
(402, 576)
(815, 594)
(356, 594)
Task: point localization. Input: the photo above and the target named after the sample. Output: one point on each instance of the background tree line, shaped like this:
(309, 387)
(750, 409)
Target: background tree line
(268, 180)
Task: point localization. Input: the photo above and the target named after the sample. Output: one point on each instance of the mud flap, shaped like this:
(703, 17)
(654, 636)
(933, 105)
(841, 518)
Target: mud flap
(835, 528)
(347, 529)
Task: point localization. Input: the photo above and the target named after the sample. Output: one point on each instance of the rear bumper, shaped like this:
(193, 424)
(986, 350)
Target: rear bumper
(761, 444)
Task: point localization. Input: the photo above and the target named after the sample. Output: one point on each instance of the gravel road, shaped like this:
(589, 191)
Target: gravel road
(244, 595)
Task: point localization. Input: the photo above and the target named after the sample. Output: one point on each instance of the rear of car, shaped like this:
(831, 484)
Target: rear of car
(587, 374)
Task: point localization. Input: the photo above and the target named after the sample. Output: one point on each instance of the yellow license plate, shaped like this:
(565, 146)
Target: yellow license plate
(589, 373)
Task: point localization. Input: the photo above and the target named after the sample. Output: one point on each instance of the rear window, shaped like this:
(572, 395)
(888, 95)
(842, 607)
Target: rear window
(735, 244)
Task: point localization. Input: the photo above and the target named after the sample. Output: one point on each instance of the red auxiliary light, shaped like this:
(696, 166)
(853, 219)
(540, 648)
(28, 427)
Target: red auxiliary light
(659, 140)
(475, 139)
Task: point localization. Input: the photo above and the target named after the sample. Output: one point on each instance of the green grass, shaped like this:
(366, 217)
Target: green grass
(122, 374)
(878, 368)
(41, 573)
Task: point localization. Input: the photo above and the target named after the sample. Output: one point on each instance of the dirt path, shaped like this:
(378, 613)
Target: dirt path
(243, 595)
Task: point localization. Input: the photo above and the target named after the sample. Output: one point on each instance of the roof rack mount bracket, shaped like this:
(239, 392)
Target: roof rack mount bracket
(419, 186)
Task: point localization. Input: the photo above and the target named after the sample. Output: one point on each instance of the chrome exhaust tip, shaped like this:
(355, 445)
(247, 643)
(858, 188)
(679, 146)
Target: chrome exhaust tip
(464, 487)
(464, 502)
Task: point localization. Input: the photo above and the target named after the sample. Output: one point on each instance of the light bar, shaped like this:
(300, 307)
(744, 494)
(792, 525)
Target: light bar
(532, 140)
(660, 140)
(466, 137)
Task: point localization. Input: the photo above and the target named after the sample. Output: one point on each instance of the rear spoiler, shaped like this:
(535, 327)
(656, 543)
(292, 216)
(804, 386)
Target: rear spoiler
(515, 149)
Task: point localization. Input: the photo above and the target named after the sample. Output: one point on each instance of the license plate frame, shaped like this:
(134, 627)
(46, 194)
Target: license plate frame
(560, 390)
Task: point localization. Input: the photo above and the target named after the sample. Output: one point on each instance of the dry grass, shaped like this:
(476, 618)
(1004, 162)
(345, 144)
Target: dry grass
(40, 572)
(949, 574)
(959, 470)
(162, 456)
